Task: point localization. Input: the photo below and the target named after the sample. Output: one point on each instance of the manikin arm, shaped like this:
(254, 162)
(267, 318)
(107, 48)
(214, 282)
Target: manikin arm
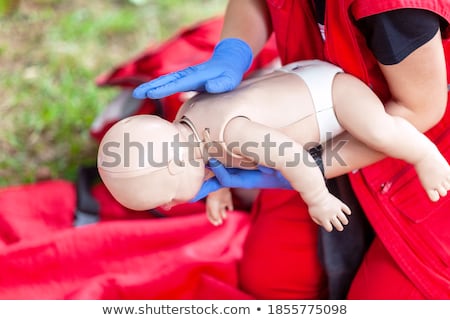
(294, 162)
(419, 94)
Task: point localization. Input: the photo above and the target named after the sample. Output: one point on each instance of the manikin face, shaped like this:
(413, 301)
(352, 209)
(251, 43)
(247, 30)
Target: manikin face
(140, 166)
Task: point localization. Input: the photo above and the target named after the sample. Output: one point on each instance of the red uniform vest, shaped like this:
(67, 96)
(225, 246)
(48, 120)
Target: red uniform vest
(414, 230)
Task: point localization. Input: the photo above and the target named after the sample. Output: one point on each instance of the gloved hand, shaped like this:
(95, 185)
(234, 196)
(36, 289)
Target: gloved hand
(222, 72)
(261, 178)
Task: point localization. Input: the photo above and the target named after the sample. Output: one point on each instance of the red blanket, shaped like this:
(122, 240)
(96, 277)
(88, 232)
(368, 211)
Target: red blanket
(128, 255)
(43, 257)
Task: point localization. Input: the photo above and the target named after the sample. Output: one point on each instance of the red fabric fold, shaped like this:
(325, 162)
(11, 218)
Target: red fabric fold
(182, 257)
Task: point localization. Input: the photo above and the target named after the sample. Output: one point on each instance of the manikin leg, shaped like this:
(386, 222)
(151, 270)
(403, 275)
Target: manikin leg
(362, 114)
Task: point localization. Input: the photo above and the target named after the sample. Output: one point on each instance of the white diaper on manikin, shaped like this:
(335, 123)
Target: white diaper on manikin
(318, 76)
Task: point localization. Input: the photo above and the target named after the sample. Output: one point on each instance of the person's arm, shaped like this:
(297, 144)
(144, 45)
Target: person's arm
(419, 85)
(419, 94)
(248, 20)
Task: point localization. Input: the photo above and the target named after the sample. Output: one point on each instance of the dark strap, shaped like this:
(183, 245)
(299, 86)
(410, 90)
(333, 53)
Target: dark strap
(88, 209)
(342, 252)
(316, 154)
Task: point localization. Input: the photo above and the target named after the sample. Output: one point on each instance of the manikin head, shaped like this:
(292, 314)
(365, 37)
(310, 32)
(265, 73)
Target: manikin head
(143, 165)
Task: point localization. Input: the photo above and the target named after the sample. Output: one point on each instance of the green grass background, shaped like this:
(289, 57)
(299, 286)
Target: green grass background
(50, 53)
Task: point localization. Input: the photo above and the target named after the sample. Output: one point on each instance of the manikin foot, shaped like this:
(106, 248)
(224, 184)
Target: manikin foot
(434, 174)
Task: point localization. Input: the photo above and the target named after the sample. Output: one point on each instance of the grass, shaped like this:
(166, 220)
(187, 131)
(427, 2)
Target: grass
(50, 53)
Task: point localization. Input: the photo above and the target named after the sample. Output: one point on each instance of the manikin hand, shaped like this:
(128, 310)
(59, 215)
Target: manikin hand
(261, 178)
(329, 212)
(222, 72)
(217, 205)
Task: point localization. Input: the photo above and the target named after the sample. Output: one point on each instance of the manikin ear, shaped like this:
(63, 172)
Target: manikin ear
(176, 167)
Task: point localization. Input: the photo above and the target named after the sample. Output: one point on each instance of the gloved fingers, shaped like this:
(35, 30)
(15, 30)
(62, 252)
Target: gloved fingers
(266, 170)
(283, 183)
(222, 83)
(140, 92)
(170, 88)
(230, 59)
(208, 186)
(264, 177)
(276, 178)
(221, 173)
(191, 78)
(187, 83)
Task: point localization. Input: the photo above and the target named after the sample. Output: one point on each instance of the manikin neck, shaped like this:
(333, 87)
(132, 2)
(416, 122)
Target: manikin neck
(189, 134)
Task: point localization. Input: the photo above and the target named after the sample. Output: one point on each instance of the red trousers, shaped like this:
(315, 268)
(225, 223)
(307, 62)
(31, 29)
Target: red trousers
(379, 278)
(281, 260)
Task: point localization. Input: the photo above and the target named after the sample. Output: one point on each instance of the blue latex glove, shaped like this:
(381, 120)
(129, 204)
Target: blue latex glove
(261, 178)
(222, 72)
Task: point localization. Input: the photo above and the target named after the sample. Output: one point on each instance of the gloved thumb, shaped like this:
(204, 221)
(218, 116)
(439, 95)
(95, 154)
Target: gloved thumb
(208, 186)
(222, 83)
